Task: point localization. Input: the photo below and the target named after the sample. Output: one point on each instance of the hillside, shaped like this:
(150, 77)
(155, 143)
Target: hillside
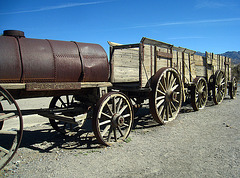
(235, 55)
(236, 71)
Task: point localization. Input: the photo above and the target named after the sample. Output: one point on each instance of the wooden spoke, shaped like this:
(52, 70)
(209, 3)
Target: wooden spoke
(123, 109)
(105, 122)
(162, 88)
(6, 116)
(105, 130)
(108, 116)
(115, 134)
(170, 109)
(160, 102)
(175, 87)
(127, 125)
(126, 115)
(120, 131)
(160, 98)
(175, 109)
(109, 109)
(114, 105)
(176, 101)
(109, 134)
(4, 150)
(173, 82)
(161, 92)
(161, 109)
(2, 132)
(163, 112)
(119, 104)
(63, 103)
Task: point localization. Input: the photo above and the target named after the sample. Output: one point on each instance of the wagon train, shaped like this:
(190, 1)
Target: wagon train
(85, 85)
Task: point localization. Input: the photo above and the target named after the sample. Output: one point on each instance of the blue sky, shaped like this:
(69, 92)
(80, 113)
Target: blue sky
(201, 25)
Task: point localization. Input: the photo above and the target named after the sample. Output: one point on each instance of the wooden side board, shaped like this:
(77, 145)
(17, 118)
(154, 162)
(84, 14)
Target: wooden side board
(124, 65)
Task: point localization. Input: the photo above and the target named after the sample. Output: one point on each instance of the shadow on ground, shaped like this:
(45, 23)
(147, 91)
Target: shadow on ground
(44, 139)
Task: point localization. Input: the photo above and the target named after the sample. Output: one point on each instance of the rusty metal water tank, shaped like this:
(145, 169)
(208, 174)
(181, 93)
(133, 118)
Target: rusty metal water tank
(38, 60)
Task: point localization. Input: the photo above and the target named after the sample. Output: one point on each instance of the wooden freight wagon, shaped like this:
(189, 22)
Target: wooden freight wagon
(168, 75)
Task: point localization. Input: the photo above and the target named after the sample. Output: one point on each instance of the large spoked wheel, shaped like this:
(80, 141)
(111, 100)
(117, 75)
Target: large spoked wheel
(11, 127)
(113, 118)
(199, 93)
(166, 96)
(65, 105)
(233, 88)
(220, 87)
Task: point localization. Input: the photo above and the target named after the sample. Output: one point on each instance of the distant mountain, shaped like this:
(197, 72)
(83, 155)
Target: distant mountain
(235, 55)
(200, 54)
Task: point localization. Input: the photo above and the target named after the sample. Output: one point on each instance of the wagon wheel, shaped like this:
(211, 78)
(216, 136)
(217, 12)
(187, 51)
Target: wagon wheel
(113, 118)
(11, 127)
(63, 102)
(199, 93)
(166, 96)
(233, 88)
(220, 87)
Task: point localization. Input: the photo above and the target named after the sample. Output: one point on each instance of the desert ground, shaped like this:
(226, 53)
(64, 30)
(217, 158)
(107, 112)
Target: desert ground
(196, 144)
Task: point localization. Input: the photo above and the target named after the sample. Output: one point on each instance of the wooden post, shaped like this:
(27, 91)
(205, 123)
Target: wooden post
(141, 63)
(155, 59)
(183, 67)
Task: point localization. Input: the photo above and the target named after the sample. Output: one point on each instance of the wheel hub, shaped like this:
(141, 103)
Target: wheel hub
(118, 120)
(200, 93)
(169, 96)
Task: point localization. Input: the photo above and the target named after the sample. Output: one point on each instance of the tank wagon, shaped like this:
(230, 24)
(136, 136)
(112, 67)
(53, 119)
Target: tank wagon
(86, 87)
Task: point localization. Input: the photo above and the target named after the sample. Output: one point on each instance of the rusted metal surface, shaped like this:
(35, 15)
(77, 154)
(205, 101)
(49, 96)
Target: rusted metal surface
(37, 60)
(10, 62)
(94, 61)
(25, 60)
(68, 66)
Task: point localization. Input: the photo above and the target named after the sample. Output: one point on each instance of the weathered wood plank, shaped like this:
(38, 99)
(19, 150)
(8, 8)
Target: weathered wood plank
(13, 86)
(164, 55)
(123, 74)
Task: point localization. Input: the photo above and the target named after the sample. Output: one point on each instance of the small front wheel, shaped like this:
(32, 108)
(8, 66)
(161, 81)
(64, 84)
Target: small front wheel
(113, 118)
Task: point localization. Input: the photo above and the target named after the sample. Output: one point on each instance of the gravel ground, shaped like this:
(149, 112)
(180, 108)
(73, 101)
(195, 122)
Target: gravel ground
(196, 144)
